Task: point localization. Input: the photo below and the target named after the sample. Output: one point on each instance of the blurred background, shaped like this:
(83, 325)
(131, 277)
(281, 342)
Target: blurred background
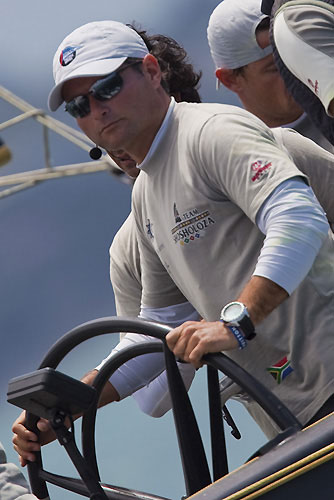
(55, 239)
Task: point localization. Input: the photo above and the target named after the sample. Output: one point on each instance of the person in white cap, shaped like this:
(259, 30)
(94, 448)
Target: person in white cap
(301, 37)
(222, 210)
(181, 81)
(125, 270)
(238, 36)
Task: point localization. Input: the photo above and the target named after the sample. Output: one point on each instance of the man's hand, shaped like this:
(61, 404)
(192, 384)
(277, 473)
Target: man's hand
(27, 442)
(193, 339)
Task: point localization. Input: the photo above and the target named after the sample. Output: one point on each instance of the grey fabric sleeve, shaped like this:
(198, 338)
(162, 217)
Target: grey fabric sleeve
(13, 485)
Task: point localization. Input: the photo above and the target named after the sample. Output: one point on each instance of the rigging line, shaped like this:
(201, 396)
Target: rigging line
(57, 126)
(55, 172)
(72, 135)
(16, 189)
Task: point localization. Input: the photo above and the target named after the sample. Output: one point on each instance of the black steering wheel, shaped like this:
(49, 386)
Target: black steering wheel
(195, 466)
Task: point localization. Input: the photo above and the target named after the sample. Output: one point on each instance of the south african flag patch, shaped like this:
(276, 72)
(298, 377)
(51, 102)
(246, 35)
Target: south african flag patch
(280, 370)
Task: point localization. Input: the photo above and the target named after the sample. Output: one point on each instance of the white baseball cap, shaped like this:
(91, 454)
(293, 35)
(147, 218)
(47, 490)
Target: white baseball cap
(231, 33)
(94, 49)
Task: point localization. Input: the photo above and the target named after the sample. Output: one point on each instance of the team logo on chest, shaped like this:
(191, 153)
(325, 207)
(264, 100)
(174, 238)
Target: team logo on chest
(191, 225)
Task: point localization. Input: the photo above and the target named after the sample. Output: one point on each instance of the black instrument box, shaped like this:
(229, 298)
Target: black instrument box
(44, 390)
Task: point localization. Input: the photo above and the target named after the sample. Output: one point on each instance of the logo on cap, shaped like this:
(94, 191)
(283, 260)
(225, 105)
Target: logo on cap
(315, 85)
(67, 55)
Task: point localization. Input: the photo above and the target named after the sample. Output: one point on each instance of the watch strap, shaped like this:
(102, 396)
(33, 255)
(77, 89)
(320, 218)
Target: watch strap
(247, 327)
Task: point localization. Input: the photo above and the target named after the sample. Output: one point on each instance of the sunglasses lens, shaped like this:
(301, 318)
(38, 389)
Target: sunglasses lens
(102, 90)
(78, 107)
(107, 87)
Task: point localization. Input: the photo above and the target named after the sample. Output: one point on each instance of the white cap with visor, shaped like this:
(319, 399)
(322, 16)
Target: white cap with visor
(232, 33)
(94, 49)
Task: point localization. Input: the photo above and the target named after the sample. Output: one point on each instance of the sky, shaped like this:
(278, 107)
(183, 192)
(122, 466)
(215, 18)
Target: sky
(55, 239)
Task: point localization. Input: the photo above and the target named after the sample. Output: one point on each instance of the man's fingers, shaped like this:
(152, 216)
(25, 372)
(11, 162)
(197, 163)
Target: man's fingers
(25, 442)
(177, 339)
(25, 456)
(21, 432)
(195, 355)
(192, 340)
(26, 439)
(25, 448)
(43, 425)
(172, 337)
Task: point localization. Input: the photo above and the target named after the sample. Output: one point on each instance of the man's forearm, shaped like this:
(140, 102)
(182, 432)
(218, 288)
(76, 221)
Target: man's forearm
(193, 339)
(261, 296)
(109, 393)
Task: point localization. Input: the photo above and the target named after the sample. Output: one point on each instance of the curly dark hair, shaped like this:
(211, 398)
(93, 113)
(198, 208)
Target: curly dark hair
(179, 78)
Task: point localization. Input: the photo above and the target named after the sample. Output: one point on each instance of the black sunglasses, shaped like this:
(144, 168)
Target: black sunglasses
(101, 90)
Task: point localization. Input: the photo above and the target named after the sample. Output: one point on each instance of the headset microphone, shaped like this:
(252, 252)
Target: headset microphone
(95, 153)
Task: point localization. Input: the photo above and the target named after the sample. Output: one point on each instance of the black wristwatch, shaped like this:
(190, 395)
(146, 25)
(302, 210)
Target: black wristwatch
(236, 314)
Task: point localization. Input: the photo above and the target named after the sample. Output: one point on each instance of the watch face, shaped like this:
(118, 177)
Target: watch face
(233, 311)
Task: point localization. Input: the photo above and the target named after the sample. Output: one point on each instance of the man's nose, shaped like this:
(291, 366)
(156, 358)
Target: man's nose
(98, 108)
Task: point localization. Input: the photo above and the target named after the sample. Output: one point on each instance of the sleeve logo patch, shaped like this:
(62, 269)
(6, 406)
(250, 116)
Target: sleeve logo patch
(280, 370)
(260, 169)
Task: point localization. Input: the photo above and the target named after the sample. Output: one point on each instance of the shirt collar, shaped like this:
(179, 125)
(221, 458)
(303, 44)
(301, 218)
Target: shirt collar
(295, 123)
(161, 132)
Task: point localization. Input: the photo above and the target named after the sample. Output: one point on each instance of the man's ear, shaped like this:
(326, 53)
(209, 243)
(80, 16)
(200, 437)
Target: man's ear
(228, 78)
(152, 68)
